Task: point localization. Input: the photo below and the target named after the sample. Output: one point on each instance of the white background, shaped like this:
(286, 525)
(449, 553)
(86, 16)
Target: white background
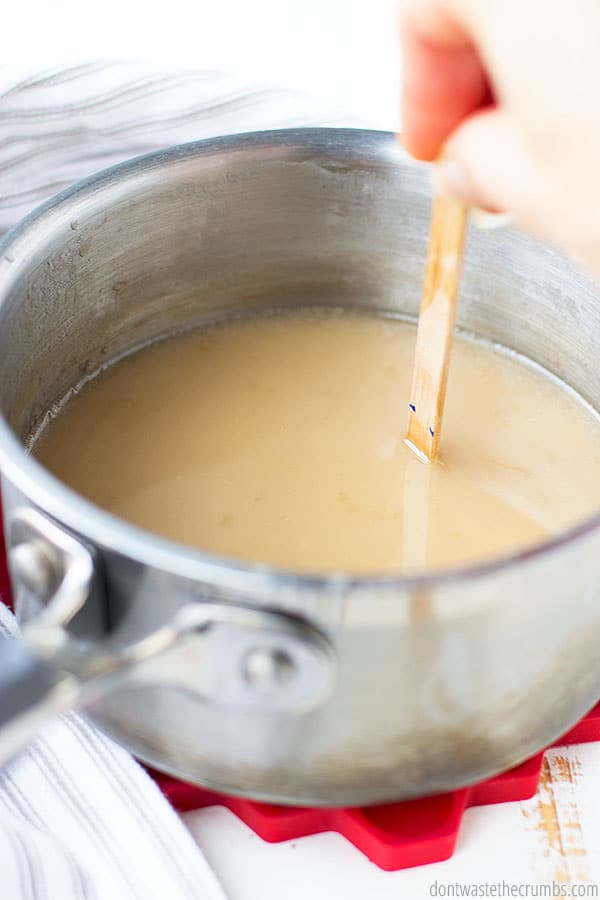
(342, 51)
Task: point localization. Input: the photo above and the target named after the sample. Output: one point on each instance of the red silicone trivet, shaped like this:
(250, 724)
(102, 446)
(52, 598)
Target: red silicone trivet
(395, 835)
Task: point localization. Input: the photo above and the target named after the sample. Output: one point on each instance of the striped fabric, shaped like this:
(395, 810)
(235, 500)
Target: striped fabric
(81, 820)
(78, 817)
(60, 126)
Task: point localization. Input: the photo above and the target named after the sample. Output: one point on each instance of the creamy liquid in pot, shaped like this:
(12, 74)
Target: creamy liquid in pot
(280, 440)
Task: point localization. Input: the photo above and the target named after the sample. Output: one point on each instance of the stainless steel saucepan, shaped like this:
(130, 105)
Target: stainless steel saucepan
(326, 690)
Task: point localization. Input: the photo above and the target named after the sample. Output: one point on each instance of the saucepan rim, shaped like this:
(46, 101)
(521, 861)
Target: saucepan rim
(120, 537)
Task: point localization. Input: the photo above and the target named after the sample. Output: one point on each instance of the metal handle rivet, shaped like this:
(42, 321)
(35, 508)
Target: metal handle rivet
(268, 667)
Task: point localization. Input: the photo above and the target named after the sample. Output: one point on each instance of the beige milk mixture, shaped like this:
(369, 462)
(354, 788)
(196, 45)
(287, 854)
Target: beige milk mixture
(281, 440)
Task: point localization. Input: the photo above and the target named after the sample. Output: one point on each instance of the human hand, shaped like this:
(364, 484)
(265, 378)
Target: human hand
(510, 89)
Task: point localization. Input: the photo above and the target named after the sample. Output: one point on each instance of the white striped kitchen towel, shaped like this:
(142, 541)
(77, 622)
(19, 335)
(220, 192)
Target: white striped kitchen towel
(79, 819)
(61, 125)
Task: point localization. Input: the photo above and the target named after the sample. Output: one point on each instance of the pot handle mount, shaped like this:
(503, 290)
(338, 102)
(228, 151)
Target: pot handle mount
(54, 573)
(254, 656)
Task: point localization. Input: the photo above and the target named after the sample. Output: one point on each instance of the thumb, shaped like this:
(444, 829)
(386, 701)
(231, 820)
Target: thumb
(486, 164)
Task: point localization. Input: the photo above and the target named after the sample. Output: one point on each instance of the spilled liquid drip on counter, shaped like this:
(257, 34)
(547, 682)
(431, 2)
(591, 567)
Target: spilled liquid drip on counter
(280, 440)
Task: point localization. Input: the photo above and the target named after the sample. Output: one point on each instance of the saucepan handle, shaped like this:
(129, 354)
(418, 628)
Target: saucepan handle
(252, 657)
(52, 573)
(31, 693)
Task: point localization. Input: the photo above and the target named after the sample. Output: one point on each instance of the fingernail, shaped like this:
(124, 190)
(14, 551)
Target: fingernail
(449, 176)
(486, 220)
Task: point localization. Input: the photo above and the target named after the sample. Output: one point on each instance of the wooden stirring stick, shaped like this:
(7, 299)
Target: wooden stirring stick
(436, 325)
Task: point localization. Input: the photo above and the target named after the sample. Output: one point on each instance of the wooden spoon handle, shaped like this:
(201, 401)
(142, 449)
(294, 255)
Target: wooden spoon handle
(436, 325)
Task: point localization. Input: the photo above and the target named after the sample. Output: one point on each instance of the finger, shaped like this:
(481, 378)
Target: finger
(444, 80)
(487, 164)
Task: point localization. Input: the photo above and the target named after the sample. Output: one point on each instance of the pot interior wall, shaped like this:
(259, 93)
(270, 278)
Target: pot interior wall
(212, 230)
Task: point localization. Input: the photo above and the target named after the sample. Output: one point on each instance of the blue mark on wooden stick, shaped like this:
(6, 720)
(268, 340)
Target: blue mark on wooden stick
(431, 432)
(412, 406)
